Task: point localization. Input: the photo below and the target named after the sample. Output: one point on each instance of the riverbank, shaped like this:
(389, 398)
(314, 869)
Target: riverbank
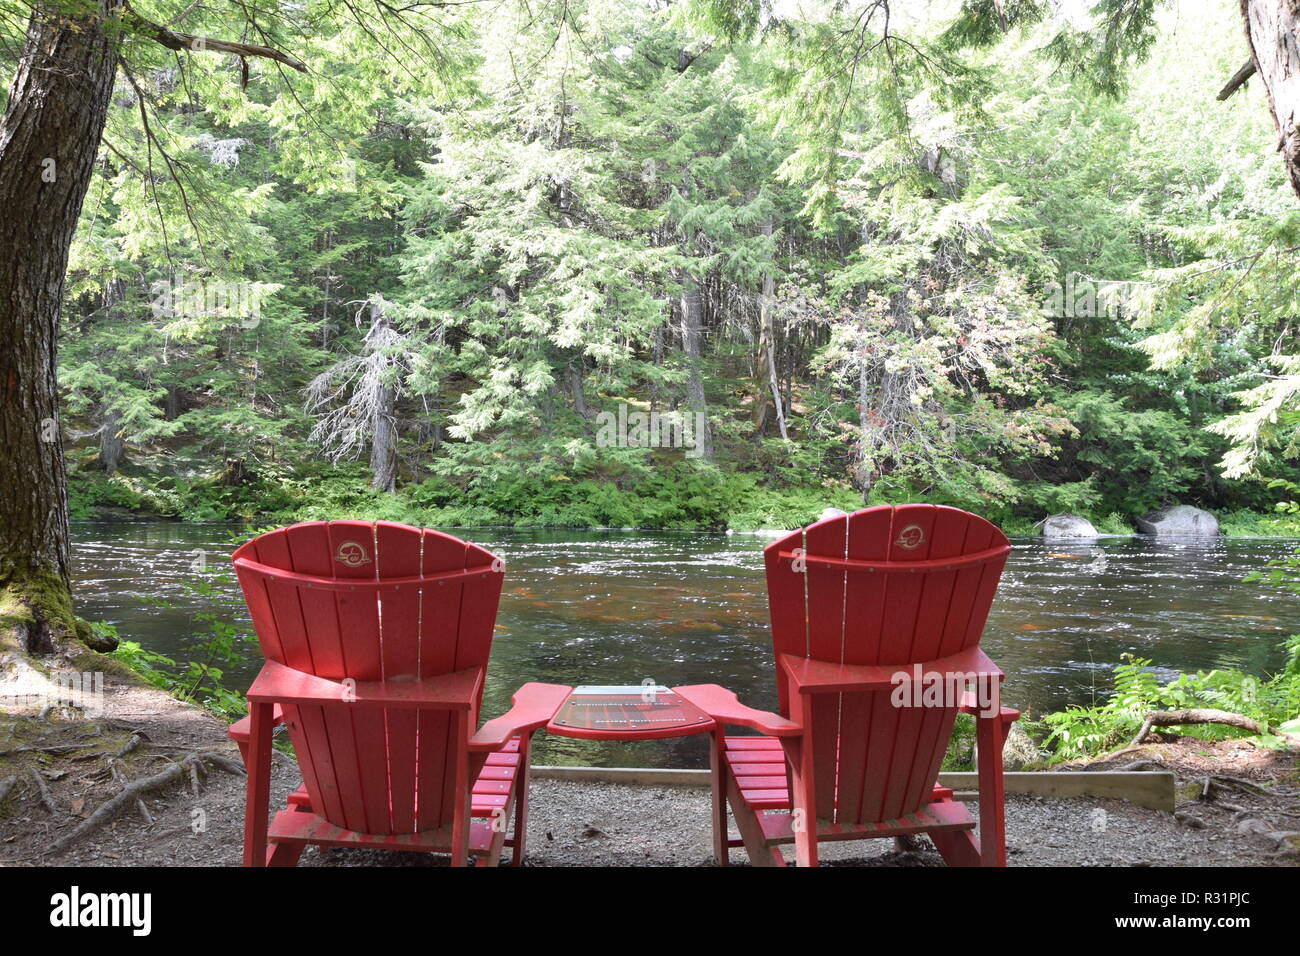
(678, 499)
(1237, 804)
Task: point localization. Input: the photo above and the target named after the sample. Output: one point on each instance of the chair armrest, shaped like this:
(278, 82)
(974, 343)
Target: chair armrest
(531, 707)
(241, 729)
(455, 691)
(809, 676)
(970, 705)
(725, 707)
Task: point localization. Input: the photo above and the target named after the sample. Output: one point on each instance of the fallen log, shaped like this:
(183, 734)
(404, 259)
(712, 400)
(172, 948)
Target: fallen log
(1204, 715)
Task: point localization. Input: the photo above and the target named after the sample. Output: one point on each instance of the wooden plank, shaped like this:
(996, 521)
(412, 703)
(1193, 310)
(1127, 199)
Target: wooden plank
(1145, 788)
(439, 626)
(868, 540)
(945, 815)
(826, 594)
(1153, 789)
(302, 544)
(787, 608)
(397, 554)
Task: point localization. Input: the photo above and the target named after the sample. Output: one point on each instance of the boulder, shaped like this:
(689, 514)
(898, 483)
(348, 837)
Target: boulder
(1179, 519)
(832, 513)
(1019, 751)
(1067, 526)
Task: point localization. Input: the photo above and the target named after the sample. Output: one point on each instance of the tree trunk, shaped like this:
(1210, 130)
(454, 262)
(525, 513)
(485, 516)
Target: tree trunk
(767, 344)
(692, 304)
(110, 442)
(383, 443)
(48, 140)
(577, 387)
(863, 467)
(1273, 32)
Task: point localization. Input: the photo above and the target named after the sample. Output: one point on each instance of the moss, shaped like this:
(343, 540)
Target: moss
(37, 599)
(93, 661)
(36, 612)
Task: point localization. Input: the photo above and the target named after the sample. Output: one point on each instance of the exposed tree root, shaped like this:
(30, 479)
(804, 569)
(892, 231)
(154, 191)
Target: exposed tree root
(47, 798)
(133, 792)
(7, 785)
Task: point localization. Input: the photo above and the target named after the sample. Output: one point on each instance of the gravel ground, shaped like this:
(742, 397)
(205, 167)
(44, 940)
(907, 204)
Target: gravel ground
(584, 824)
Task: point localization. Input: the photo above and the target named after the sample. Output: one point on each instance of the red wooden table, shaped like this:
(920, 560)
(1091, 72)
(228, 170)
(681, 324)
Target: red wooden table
(606, 712)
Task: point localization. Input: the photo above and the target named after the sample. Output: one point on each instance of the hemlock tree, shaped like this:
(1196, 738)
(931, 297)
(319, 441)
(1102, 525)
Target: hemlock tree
(68, 63)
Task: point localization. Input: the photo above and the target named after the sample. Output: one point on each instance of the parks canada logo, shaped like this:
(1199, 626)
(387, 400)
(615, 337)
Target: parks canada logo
(911, 537)
(352, 553)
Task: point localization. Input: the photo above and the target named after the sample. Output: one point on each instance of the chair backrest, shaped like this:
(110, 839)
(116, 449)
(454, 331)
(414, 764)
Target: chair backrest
(883, 586)
(372, 602)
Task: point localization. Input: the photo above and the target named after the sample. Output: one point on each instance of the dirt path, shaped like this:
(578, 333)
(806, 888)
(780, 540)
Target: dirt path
(1240, 816)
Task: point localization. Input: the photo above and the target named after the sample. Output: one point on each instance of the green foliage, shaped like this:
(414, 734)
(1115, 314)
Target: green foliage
(960, 753)
(219, 641)
(1274, 701)
(1089, 731)
(558, 210)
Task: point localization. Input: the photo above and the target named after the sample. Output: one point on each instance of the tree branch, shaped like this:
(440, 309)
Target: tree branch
(173, 40)
(1241, 76)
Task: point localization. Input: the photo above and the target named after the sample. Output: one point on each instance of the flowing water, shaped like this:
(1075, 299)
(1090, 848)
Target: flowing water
(613, 607)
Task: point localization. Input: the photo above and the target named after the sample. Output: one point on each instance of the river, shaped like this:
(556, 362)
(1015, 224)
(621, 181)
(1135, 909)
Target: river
(614, 607)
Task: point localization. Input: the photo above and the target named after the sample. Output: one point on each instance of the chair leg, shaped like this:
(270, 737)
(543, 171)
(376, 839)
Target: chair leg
(497, 846)
(718, 768)
(760, 854)
(258, 787)
(989, 739)
(804, 791)
(286, 854)
(521, 799)
(805, 840)
(460, 815)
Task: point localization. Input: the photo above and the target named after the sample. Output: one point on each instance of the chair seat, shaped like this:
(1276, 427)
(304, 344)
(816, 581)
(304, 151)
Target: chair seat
(491, 789)
(763, 777)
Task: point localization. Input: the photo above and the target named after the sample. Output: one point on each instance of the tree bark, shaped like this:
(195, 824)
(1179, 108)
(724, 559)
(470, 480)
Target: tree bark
(692, 306)
(49, 136)
(767, 342)
(383, 442)
(578, 388)
(866, 441)
(1273, 32)
(110, 442)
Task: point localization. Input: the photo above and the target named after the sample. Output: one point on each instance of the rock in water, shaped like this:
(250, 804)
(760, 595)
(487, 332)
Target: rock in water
(832, 513)
(1180, 519)
(1067, 526)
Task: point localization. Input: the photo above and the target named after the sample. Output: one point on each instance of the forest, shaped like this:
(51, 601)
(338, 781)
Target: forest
(882, 253)
(540, 268)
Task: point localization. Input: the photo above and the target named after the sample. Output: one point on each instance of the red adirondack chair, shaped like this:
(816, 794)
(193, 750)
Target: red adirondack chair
(376, 639)
(855, 602)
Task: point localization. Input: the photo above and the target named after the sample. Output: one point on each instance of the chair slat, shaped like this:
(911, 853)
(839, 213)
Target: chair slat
(787, 607)
(397, 555)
